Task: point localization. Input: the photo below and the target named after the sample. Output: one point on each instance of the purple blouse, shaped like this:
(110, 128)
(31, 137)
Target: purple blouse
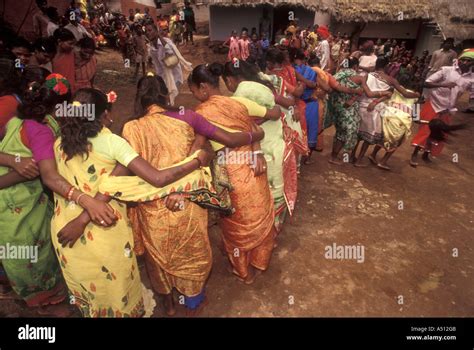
(200, 125)
(41, 140)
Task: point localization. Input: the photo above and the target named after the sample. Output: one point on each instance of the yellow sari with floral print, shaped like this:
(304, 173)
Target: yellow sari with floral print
(101, 270)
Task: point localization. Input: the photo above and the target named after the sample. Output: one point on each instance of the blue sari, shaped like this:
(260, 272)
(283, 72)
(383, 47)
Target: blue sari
(312, 114)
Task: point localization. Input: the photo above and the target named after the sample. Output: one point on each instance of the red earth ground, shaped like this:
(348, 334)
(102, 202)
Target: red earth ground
(411, 223)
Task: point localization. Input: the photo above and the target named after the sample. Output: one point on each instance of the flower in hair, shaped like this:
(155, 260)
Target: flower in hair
(111, 97)
(57, 83)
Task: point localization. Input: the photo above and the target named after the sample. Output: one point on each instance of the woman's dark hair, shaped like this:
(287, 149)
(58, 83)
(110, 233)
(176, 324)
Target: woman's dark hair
(52, 13)
(32, 74)
(245, 71)
(39, 101)
(352, 62)
(9, 78)
(314, 60)
(46, 45)
(75, 131)
(150, 91)
(63, 34)
(275, 55)
(86, 43)
(206, 73)
(296, 54)
(20, 42)
(381, 62)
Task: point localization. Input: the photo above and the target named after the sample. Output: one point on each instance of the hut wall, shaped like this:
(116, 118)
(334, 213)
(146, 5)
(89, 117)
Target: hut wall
(224, 19)
(126, 5)
(398, 30)
(426, 41)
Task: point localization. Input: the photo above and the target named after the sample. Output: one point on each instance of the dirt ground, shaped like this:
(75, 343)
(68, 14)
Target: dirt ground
(411, 223)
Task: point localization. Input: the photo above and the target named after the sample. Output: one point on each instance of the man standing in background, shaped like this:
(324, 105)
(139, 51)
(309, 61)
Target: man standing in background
(189, 23)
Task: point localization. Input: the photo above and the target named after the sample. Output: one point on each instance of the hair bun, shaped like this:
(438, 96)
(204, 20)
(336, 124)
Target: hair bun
(216, 69)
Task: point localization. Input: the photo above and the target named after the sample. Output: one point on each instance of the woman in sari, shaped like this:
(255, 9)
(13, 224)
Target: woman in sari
(101, 270)
(276, 65)
(243, 80)
(343, 108)
(371, 130)
(63, 62)
(173, 239)
(9, 99)
(312, 105)
(85, 64)
(248, 234)
(396, 124)
(25, 208)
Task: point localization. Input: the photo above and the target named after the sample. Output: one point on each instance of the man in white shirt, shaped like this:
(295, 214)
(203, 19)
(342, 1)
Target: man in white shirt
(53, 18)
(138, 16)
(447, 84)
(75, 27)
(159, 49)
(323, 51)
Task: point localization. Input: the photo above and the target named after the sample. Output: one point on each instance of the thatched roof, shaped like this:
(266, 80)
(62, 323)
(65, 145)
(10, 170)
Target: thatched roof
(380, 10)
(314, 5)
(455, 17)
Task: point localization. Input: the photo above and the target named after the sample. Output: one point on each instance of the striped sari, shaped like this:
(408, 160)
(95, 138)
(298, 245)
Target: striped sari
(176, 244)
(247, 233)
(282, 183)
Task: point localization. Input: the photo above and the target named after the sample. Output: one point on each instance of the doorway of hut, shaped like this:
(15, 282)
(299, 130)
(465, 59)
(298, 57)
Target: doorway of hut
(282, 15)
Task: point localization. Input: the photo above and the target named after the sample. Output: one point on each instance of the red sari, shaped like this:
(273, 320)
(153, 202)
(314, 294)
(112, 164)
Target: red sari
(63, 63)
(288, 73)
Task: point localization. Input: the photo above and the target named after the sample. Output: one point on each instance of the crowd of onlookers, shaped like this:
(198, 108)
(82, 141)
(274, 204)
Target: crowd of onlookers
(333, 50)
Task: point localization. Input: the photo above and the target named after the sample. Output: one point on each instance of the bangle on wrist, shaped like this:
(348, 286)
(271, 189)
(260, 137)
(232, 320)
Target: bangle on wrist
(251, 137)
(79, 198)
(258, 152)
(70, 193)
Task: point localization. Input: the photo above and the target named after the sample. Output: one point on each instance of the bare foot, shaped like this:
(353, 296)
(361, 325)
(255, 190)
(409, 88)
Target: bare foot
(251, 277)
(360, 165)
(383, 166)
(372, 159)
(334, 161)
(413, 162)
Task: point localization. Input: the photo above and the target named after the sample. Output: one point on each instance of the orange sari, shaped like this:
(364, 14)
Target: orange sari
(176, 244)
(247, 232)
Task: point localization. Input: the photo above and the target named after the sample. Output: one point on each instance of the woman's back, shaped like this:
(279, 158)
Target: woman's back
(160, 139)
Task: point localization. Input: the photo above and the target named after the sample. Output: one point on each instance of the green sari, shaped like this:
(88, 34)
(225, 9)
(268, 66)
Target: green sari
(273, 144)
(25, 219)
(345, 119)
